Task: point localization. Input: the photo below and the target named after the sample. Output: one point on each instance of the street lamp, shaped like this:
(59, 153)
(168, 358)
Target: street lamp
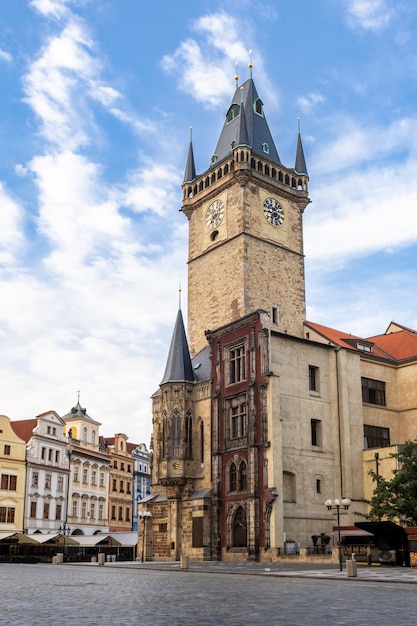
(64, 531)
(337, 504)
(144, 515)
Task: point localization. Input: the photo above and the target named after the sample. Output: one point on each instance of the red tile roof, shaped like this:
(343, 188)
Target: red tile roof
(24, 428)
(391, 346)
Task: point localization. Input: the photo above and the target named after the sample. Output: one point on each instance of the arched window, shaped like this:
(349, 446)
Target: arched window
(202, 441)
(239, 529)
(232, 113)
(85, 433)
(242, 482)
(175, 435)
(232, 477)
(93, 436)
(188, 436)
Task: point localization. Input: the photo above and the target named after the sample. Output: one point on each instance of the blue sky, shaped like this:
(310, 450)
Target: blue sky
(96, 102)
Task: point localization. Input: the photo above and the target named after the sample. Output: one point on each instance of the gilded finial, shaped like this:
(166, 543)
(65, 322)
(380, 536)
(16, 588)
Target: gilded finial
(237, 75)
(250, 65)
(179, 294)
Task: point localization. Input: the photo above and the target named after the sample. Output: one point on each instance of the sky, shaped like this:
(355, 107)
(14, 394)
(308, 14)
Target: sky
(96, 103)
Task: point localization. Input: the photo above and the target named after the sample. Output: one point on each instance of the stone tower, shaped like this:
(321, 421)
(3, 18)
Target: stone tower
(245, 227)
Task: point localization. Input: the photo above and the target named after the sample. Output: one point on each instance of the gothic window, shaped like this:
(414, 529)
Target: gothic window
(202, 441)
(258, 107)
(239, 529)
(188, 436)
(232, 477)
(175, 435)
(242, 478)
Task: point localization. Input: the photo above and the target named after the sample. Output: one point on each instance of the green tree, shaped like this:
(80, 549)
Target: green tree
(397, 498)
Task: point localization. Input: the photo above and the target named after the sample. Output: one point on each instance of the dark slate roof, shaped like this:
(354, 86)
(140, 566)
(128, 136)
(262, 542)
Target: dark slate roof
(189, 173)
(78, 411)
(300, 162)
(178, 367)
(202, 364)
(257, 129)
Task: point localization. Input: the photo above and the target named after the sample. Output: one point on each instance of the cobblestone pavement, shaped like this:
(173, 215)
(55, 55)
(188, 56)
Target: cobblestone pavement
(203, 595)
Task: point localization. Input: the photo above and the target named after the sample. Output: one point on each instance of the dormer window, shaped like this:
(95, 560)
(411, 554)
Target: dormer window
(232, 113)
(233, 144)
(265, 148)
(258, 107)
(214, 158)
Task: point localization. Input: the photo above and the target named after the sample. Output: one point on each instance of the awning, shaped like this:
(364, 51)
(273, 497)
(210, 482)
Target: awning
(126, 540)
(351, 531)
(56, 539)
(17, 538)
(97, 540)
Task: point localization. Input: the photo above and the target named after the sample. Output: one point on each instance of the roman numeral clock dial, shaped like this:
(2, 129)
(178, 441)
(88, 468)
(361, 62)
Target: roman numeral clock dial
(273, 212)
(215, 214)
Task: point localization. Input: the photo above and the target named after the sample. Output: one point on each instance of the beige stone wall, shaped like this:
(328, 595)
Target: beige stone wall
(250, 264)
(296, 464)
(385, 466)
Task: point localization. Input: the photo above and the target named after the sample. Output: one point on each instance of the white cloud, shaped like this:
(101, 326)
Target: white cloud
(308, 102)
(205, 69)
(53, 8)
(11, 221)
(373, 15)
(5, 56)
(368, 210)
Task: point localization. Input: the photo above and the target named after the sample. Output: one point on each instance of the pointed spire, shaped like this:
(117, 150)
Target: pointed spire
(259, 137)
(189, 173)
(178, 367)
(242, 136)
(300, 162)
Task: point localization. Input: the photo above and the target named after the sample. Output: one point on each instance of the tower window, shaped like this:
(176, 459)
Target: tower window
(258, 107)
(239, 421)
(175, 435)
(275, 315)
(232, 113)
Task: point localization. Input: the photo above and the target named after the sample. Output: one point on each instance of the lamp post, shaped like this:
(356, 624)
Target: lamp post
(144, 515)
(337, 504)
(64, 530)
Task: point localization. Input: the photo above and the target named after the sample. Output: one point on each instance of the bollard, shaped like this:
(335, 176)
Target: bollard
(101, 556)
(184, 562)
(351, 568)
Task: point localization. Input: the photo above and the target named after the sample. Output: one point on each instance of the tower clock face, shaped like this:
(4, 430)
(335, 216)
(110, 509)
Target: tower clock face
(215, 214)
(273, 211)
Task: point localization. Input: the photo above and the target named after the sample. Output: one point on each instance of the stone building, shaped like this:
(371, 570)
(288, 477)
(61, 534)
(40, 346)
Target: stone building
(12, 478)
(261, 416)
(47, 472)
(89, 478)
(121, 480)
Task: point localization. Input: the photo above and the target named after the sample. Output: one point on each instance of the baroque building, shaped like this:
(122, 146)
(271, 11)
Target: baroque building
(12, 477)
(89, 477)
(120, 483)
(47, 472)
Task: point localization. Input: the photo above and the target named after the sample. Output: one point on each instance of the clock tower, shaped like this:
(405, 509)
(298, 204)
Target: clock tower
(245, 226)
